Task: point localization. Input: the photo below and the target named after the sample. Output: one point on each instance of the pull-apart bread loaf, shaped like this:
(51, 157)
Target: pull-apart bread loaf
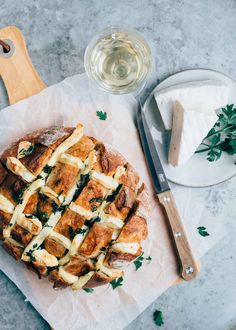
(71, 208)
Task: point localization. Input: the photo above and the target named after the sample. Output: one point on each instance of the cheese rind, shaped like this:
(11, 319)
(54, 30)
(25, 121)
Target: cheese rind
(203, 96)
(188, 131)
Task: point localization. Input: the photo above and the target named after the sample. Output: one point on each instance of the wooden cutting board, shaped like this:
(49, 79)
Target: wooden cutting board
(17, 71)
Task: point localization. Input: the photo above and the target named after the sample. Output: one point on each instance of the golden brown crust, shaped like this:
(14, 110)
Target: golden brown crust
(119, 260)
(5, 219)
(3, 173)
(57, 280)
(36, 161)
(69, 223)
(134, 230)
(91, 195)
(62, 178)
(82, 149)
(110, 160)
(130, 178)
(15, 251)
(98, 279)
(79, 265)
(21, 235)
(98, 237)
(54, 247)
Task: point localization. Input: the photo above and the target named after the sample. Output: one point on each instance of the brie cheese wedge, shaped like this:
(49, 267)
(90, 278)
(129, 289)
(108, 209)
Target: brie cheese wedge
(204, 96)
(188, 130)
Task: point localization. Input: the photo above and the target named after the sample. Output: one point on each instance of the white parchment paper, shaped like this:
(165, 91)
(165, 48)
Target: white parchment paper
(67, 103)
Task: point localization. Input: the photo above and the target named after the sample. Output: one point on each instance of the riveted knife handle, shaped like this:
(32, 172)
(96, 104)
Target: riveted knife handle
(189, 267)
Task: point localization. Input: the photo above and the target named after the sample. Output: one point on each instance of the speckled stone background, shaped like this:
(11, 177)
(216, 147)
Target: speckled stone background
(183, 34)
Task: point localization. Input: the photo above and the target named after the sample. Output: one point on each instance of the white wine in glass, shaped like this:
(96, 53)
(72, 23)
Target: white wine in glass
(118, 60)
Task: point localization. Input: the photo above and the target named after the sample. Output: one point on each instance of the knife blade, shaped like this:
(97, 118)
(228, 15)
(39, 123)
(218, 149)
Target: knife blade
(158, 175)
(189, 268)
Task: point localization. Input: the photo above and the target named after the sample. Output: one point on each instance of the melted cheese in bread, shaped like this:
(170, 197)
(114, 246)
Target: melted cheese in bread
(65, 145)
(6, 205)
(45, 257)
(82, 280)
(16, 167)
(71, 160)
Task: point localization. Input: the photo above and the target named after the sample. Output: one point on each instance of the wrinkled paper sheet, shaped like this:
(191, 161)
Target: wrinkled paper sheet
(67, 103)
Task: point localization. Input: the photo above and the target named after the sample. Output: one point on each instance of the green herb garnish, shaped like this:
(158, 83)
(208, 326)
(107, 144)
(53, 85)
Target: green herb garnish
(202, 231)
(117, 282)
(88, 290)
(112, 196)
(222, 137)
(46, 225)
(139, 261)
(102, 115)
(30, 255)
(158, 318)
(17, 196)
(84, 179)
(47, 169)
(94, 208)
(26, 152)
(43, 197)
(89, 223)
(58, 208)
(96, 199)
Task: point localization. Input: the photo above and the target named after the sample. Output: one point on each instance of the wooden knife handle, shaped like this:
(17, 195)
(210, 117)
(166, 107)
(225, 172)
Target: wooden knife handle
(189, 267)
(17, 71)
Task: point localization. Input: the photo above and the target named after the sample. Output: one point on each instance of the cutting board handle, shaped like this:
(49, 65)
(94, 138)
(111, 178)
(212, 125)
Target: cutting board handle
(17, 70)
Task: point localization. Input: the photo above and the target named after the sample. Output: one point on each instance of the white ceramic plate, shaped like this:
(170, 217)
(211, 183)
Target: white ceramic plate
(197, 172)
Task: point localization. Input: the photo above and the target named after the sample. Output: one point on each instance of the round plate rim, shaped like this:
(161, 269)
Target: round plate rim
(152, 94)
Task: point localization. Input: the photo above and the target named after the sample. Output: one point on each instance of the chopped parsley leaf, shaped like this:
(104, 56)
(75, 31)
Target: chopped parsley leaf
(47, 169)
(158, 318)
(88, 290)
(116, 282)
(202, 231)
(26, 152)
(139, 262)
(102, 115)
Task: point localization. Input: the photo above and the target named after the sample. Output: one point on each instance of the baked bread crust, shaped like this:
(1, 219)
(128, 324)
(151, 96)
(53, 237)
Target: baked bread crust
(71, 208)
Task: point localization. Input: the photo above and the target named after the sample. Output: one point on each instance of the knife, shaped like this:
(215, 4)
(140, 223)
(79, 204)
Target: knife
(189, 268)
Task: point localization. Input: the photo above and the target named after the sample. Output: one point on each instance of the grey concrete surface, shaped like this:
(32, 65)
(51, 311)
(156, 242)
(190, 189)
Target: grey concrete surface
(183, 34)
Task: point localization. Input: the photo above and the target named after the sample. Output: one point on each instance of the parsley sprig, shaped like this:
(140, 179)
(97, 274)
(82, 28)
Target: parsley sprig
(139, 261)
(203, 231)
(222, 137)
(102, 115)
(117, 282)
(158, 318)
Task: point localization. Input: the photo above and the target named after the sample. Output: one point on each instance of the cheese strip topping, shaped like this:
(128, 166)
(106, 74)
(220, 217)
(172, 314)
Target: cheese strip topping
(65, 145)
(111, 272)
(71, 160)
(38, 240)
(45, 257)
(106, 181)
(6, 205)
(80, 210)
(131, 248)
(47, 191)
(32, 224)
(20, 207)
(62, 239)
(111, 221)
(68, 277)
(82, 280)
(16, 167)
